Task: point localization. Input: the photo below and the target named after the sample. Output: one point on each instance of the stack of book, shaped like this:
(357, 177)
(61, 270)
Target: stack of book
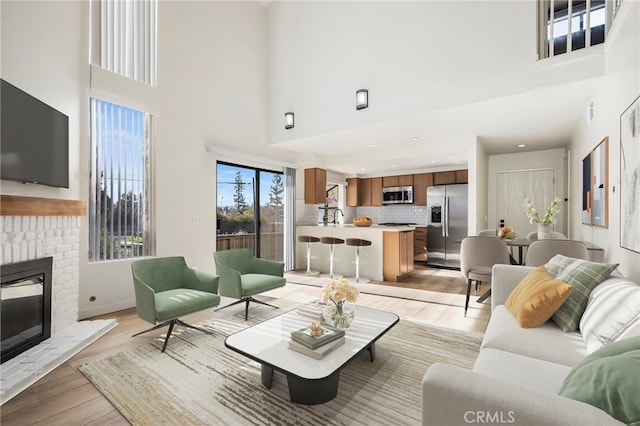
(305, 342)
(313, 311)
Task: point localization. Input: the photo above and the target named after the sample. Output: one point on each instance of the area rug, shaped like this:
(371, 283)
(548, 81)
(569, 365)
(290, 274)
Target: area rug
(198, 381)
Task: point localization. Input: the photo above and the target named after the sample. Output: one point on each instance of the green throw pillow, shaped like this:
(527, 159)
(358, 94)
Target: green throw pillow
(608, 379)
(584, 276)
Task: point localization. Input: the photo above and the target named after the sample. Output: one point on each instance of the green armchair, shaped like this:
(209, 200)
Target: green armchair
(166, 288)
(242, 275)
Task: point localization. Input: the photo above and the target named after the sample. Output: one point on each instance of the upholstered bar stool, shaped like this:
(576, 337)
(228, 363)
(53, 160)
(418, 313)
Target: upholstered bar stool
(332, 241)
(357, 243)
(309, 239)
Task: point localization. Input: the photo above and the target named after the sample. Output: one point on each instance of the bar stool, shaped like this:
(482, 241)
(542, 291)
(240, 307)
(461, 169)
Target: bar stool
(357, 243)
(308, 239)
(332, 241)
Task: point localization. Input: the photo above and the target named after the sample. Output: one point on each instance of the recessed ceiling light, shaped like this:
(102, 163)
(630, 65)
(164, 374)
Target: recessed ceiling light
(521, 145)
(433, 161)
(362, 169)
(370, 145)
(395, 165)
(415, 138)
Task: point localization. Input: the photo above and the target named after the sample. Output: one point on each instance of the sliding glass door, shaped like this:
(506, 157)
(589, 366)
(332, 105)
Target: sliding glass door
(250, 210)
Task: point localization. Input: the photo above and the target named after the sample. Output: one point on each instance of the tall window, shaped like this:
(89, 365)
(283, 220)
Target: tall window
(123, 37)
(119, 205)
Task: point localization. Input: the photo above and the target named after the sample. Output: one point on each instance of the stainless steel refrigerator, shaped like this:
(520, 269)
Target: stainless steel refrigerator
(447, 211)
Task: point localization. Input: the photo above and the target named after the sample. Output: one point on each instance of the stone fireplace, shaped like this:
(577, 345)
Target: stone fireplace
(36, 228)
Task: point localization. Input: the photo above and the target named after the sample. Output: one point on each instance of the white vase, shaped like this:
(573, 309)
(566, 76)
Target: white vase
(544, 231)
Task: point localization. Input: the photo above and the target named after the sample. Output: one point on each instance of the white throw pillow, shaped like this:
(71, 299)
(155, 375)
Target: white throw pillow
(613, 313)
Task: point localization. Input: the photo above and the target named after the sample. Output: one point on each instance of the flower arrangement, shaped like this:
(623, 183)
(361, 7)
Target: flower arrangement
(340, 293)
(534, 216)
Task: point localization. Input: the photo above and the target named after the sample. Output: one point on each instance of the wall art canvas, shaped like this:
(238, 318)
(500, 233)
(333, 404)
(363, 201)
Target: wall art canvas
(630, 177)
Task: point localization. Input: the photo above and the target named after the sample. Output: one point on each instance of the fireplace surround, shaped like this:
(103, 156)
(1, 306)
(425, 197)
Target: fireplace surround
(25, 306)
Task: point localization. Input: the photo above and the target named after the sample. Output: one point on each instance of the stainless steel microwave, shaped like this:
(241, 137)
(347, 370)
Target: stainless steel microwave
(397, 195)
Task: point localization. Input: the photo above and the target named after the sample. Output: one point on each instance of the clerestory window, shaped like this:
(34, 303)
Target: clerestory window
(123, 38)
(569, 25)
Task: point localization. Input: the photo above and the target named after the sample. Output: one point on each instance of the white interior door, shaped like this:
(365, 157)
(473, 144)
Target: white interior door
(538, 184)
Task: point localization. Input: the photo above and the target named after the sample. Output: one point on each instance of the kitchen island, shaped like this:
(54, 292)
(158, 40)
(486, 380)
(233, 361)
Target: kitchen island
(388, 258)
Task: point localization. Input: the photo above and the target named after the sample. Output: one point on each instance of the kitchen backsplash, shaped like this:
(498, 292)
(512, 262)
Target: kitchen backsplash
(307, 214)
(395, 213)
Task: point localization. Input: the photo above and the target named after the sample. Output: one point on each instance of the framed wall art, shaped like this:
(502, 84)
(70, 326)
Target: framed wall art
(595, 184)
(630, 177)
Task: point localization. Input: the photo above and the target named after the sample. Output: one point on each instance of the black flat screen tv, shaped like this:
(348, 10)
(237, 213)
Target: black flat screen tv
(34, 144)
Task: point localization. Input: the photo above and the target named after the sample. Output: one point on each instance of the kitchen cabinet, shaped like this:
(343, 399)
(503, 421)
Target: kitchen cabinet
(397, 255)
(315, 186)
(390, 181)
(353, 192)
(453, 176)
(402, 180)
(420, 184)
(376, 191)
(420, 243)
(365, 192)
(405, 180)
(444, 178)
(462, 176)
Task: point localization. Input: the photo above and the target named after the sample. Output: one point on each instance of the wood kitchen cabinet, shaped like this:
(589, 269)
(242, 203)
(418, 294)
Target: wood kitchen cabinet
(444, 178)
(376, 191)
(315, 186)
(405, 180)
(420, 184)
(420, 243)
(390, 181)
(365, 192)
(353, 192)
(397, 255)
(462, 176)
(453, 176)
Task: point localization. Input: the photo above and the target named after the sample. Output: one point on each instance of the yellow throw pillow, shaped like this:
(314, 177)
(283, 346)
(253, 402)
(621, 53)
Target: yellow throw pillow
(537, 297)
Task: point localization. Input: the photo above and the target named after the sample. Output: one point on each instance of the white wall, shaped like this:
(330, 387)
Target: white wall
(321, 52)
(48, 61)
(480, 184)
(619, 87)
(550, 158)
(211, 92)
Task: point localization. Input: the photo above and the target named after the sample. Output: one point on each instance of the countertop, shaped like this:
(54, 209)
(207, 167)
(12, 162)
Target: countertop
(350, 226)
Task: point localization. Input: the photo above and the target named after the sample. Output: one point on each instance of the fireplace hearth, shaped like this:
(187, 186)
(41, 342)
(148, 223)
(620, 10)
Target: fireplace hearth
(25, 305)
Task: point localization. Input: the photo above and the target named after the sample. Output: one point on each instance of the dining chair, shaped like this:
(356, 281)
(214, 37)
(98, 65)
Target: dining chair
(533, 236)
(488, 233)
(478, 254)
(541, 251)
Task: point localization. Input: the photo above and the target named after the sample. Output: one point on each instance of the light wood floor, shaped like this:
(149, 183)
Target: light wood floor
(66, 397)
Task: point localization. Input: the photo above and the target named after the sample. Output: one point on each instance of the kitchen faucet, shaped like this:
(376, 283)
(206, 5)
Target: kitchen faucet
(334, 215)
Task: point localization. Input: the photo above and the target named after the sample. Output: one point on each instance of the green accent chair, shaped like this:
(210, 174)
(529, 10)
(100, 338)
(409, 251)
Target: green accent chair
(166, 288)
(242, 275)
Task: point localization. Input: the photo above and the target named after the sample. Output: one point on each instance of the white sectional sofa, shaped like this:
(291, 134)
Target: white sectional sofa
(519, 371)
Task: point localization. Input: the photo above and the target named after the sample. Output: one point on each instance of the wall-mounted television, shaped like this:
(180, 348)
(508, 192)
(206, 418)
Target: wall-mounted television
(34, 144)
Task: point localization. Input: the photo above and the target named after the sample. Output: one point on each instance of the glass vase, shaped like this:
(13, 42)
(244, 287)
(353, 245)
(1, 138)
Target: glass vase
(340, 314)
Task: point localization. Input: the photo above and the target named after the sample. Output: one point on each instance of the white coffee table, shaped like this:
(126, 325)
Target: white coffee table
(311, 381)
